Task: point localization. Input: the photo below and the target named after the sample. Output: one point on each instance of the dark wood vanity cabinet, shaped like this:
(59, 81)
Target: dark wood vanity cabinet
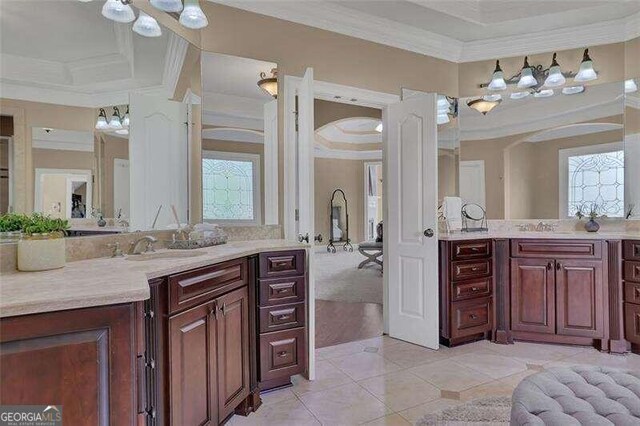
(631, 276)
(466, 290)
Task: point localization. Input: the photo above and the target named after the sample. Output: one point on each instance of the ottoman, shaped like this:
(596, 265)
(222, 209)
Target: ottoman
(578, 395)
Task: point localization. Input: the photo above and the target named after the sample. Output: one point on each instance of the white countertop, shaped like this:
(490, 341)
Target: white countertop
(108, 281)
(568, 235)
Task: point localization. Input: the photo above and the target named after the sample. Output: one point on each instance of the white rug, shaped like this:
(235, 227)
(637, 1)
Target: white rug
(338, 278)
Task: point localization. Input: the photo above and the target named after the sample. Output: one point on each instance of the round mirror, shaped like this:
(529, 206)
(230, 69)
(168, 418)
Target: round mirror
(473, 211)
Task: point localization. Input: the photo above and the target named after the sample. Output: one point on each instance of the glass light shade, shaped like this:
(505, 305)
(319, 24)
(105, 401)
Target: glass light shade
(116, 11)
(497, 79)
(122, 132)
(526, 78)
(572, 90)
(192, 16)
(443, 104)
(146, 26)
(520, 95)
(630, 86)
(101, 123)
(443, 118)
(167, 5)
(125, 120)
(544, 93)
(492, 97)
(269, 84)
(483, 106)
(114, 123)
(586, 72)
(379, 128)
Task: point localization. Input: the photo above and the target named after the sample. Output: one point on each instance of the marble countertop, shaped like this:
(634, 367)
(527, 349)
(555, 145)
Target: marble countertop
(569, 235)
(107, 281)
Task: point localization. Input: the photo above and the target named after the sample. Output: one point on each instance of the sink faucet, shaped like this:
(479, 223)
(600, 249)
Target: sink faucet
(148, 247)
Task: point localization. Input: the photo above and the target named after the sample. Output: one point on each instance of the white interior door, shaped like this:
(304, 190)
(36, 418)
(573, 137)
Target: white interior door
(411, 228)
(158, 149)
(305, 195)
(121, 187)
(472, 182)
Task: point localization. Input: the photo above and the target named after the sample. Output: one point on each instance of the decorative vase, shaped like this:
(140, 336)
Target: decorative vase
(101, 222)
(41, 252)
(591, 226)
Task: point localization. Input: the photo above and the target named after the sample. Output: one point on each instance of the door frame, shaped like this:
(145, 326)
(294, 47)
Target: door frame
(335, 93)
(368, 164)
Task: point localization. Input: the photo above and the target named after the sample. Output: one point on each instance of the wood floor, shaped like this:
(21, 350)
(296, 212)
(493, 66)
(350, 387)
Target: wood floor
(341, 322)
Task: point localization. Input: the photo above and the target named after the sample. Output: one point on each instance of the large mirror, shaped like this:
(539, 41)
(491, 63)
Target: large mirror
(549, 154)
(95, 118)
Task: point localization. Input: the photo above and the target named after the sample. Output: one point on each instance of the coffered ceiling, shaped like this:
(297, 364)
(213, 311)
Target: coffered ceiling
(465, 30)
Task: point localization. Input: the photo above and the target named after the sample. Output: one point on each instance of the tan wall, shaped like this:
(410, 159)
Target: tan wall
(632, 58)
(631, 120)
(609, 61)
(448, 171)
(241, 147)
(326, 112)
(348, 175)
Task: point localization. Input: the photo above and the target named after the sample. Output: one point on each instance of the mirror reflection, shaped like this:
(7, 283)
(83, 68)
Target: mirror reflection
(94, 119)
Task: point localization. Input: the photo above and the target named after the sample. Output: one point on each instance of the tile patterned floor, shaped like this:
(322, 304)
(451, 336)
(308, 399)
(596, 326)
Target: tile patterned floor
(383, 381)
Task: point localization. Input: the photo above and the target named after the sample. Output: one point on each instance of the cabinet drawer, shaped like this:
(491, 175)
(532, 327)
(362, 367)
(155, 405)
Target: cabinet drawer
(471, 317)
(282, 317)
(281, 264)
(632, 323)
(466, 269)
(281, 291)
(632, 293)
(566, 249)
(632, 250)
(632, 271)
(463, 250)
(191, 288)
(282, 354)
(473, 288)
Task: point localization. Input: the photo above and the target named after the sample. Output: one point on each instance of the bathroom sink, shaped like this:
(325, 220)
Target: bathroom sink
(177, 254)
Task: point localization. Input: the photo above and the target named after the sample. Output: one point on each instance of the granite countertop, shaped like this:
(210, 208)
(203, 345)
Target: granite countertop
(568, 235)
(108, 281)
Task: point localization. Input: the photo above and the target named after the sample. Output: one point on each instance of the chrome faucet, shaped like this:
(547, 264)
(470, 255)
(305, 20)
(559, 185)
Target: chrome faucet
(148, 239)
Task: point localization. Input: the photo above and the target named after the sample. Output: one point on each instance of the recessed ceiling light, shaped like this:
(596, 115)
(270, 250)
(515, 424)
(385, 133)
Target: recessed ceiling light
(543, 93)
(519, 95)
(572, 90)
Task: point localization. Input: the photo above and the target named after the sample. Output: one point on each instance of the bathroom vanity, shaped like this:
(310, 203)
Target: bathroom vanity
(188, 340)
(546, 288)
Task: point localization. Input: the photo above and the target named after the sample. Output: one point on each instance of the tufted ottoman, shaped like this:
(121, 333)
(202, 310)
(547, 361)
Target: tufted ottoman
(579, 395)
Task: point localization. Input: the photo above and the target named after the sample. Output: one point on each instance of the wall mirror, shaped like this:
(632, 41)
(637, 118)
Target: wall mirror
(95, 118)
(543, 155)
(239, 140)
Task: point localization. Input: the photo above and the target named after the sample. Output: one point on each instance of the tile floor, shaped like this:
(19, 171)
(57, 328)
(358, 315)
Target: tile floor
(383, 381)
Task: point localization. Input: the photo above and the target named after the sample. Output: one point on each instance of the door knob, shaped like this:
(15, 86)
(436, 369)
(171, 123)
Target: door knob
(428, 233)
(318, 238)
(302, 238)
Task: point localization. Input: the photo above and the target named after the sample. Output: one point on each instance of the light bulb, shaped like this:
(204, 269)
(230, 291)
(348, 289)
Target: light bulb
(192, 16)
(555, 77)
(586, 72)
(497, 79)
(526, 76)
(117, 11)
(167, 5)
(630, 86)
(146, 26)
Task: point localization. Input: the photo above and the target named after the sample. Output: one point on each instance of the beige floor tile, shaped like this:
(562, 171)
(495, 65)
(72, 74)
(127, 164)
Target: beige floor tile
(629, 361)
(341, 350)
(327, 376)
(286, 413)
(364, 365)
(495, 366)
(407, 355)
(531, 353)
(450, 376)
(390, 420)
(502, 387)
(276, 396)
(345, 405)
(381, 342)
(400, 390)
(416, 413)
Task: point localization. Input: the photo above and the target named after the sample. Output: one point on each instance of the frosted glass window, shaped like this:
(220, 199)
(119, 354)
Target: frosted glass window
(228, 188)
(597, 178)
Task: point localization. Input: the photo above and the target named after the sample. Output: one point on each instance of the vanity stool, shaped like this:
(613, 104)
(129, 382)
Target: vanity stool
(373, 253)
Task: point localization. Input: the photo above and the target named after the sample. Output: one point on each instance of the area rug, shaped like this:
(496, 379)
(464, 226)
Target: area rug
(493, 410)
(338, 278)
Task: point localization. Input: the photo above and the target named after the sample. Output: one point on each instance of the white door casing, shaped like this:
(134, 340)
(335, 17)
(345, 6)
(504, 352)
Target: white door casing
(411, 257)
(121, 187)
(271, 195)
(158, 154)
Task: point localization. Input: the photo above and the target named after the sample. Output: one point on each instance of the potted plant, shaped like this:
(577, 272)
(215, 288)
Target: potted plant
(592, 214)
(42, 246)
(11, 225)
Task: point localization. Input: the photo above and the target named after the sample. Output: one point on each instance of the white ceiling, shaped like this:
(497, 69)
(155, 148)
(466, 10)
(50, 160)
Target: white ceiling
(354, 130)
(66, 52)
(465, 30)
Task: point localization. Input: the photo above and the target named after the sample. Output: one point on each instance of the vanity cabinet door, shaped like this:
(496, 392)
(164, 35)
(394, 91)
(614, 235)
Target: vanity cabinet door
(192, 343)
(579, 297)
(533, 295)
(233, 350)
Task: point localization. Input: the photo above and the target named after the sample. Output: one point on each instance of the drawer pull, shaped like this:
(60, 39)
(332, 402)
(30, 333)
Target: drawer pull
(475, 249)
(473, 316)
(282, 354)
(474, 288)
(284, 317)
(475, 268)
(282, 290)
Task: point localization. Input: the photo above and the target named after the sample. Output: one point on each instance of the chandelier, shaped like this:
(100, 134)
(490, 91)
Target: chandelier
(191, 15)
(269, 84)
(116, 123)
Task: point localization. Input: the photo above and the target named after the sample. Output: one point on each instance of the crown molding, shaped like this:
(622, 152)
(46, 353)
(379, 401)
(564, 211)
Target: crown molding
(338, 19)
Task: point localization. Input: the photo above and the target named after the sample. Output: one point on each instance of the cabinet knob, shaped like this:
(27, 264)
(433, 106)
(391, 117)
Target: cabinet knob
(473, 316)
(549, 266)
(282, 354)
(558, 266)
(474, 288)
(283, 317)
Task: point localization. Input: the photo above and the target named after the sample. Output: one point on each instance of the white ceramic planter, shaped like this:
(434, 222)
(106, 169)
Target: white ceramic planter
(41, 254)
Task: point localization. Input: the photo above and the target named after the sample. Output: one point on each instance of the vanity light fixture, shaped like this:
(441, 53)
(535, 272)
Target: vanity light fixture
(192, 16)
(519, 95)
(146, 26)
(446, 108)
(545, 93)
(630, 86)
(572, 90)
(118, 10)
(125, 119)
(483, 106)
(101, 123)
(526, 75)
(167, 5)
(555, 77)
(269, 84)
(586, 72)
(497, 79)
(115, 122)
